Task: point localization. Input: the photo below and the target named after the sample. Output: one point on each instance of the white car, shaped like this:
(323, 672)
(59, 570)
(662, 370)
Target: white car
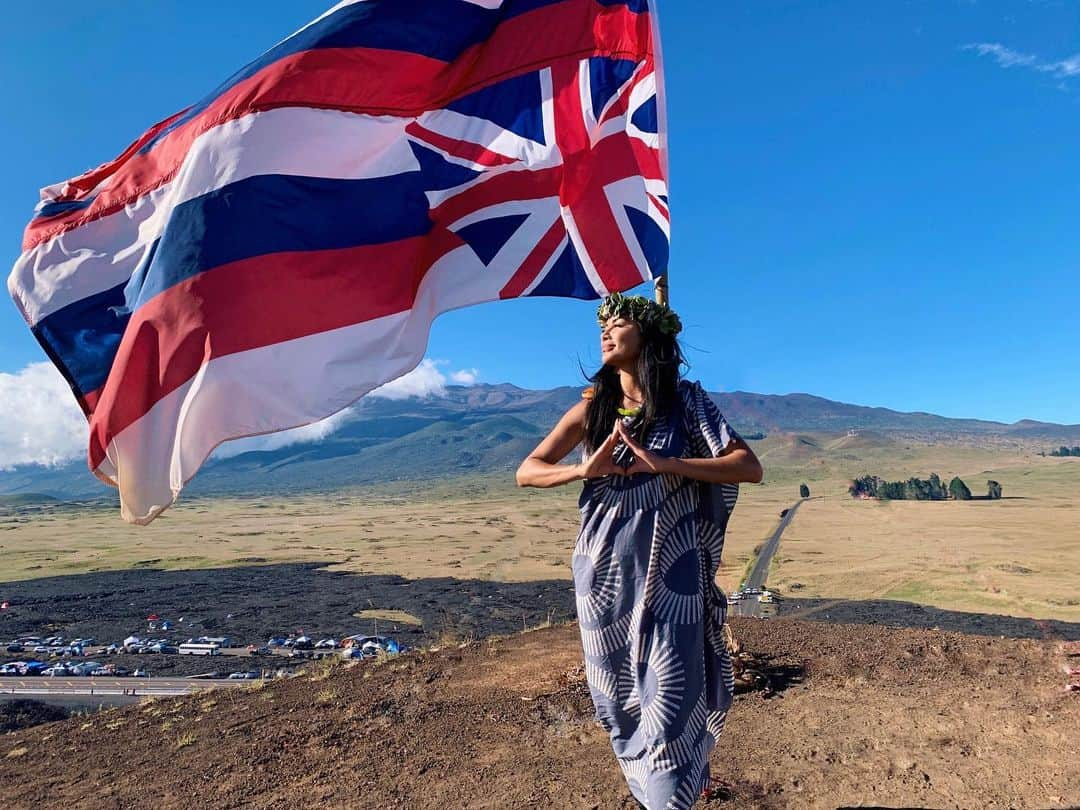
(57, 672)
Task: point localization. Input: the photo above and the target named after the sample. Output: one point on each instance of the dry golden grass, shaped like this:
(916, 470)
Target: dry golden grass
(392, 616)
(1020, 555)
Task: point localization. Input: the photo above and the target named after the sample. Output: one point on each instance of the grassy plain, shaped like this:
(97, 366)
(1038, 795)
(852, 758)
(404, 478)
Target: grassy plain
(1020, 555)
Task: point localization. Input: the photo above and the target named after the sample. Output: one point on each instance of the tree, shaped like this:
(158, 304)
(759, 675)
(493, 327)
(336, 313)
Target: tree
(804, 491)
(959, 490)
(993, 490)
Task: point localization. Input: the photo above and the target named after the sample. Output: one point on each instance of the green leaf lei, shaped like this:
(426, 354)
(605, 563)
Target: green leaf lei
(643, 311)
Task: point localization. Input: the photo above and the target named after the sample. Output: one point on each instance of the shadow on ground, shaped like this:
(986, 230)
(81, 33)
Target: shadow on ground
(250, 604)
(908, 614)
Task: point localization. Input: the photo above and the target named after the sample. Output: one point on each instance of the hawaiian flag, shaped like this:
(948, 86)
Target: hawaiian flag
(269, 255)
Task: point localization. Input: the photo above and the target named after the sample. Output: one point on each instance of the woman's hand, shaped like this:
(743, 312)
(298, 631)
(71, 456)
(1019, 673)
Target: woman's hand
(645, 461)
(602, 461)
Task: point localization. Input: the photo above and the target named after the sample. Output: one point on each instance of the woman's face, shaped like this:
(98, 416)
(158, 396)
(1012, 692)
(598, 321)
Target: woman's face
(620, 342)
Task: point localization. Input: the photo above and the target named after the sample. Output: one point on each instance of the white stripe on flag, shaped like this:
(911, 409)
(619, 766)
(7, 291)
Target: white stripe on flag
(291, 141)
(282, 386)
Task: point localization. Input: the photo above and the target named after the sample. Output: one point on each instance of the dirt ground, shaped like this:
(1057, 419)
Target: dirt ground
(881, 717)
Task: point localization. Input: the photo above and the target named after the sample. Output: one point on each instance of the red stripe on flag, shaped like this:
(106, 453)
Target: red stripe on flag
(510, 185)
(659, 206)
(370, 81)
(460, 149)
(535, 261)
(248, 304)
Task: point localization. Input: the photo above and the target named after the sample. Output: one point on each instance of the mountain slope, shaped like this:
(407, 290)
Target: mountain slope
(492, 427)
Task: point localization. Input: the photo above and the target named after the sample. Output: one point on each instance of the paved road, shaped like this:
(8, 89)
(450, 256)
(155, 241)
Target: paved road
(758, 574)
(156, 687)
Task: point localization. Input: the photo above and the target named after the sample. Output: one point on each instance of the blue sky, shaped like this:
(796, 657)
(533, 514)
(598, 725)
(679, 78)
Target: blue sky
(873, 202)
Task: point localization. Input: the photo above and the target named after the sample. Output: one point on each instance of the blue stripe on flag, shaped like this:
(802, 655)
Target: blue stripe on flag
(515, 104)
(253, 217)
(566, 278)
(636, 6)
(51, 209)
(84, 336)
(440, 29)
(438, 172)
(653, 240)
(644, 117)
(606, 76)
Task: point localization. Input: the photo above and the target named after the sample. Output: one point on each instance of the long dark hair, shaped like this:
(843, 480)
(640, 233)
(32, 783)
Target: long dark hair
(658, 369)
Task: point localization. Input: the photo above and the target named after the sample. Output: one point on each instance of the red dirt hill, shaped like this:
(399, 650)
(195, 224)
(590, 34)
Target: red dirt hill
(884, 717)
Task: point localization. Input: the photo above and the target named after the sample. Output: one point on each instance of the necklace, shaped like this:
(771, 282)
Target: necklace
(629, 411)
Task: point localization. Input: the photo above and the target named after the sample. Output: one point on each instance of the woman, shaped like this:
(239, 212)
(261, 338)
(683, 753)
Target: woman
(661, 468)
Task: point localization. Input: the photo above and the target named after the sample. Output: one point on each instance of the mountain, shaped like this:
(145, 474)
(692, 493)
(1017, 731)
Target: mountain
(492, 427)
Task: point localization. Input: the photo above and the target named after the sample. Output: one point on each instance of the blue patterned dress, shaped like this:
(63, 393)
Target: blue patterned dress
(650, 613)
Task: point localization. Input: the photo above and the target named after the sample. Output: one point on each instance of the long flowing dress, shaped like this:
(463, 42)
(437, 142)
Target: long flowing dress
(650, 613)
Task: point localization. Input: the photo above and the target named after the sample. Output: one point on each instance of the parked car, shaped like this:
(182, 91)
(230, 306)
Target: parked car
(32, 668)
(326, 644)
(57, 671)
(15, 648)
(276, 641)
(139, 673)
(11, 668)
(264, 650)
(244, 676)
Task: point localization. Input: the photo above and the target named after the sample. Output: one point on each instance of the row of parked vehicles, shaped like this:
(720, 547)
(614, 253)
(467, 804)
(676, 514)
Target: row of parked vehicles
(763, 595)
(66, 670)
(53, 646)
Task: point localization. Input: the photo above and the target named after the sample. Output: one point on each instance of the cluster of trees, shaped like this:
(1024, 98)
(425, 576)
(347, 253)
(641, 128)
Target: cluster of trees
(917, 489)
(1065, 451)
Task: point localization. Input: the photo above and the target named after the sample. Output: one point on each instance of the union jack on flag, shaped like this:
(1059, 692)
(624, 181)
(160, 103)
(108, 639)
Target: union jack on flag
(267, 256)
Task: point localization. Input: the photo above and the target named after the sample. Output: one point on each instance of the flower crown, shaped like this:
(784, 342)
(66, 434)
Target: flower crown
(643, 311)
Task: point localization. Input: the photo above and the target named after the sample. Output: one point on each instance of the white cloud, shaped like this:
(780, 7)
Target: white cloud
(274, 441)
(1063, 68)
(41, 423)
(426, 380)
(423, 381)
(467, 376)
(1008, 58)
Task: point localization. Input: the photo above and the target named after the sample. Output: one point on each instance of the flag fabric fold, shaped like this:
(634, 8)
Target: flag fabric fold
(272, 253)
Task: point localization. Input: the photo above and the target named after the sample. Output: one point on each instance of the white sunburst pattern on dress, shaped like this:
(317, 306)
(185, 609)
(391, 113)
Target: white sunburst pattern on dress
(667, 603)
(690, 789)
(629, 693)
(636, 771)
(667, 668)
(595, 598)
(731, 495)
(602, 680)
(670, 754)
(714, 726)
(712, 541)
(637, 493)
(603, 641)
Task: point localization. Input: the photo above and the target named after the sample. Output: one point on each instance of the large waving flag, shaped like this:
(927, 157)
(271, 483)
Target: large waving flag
(267, 256)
